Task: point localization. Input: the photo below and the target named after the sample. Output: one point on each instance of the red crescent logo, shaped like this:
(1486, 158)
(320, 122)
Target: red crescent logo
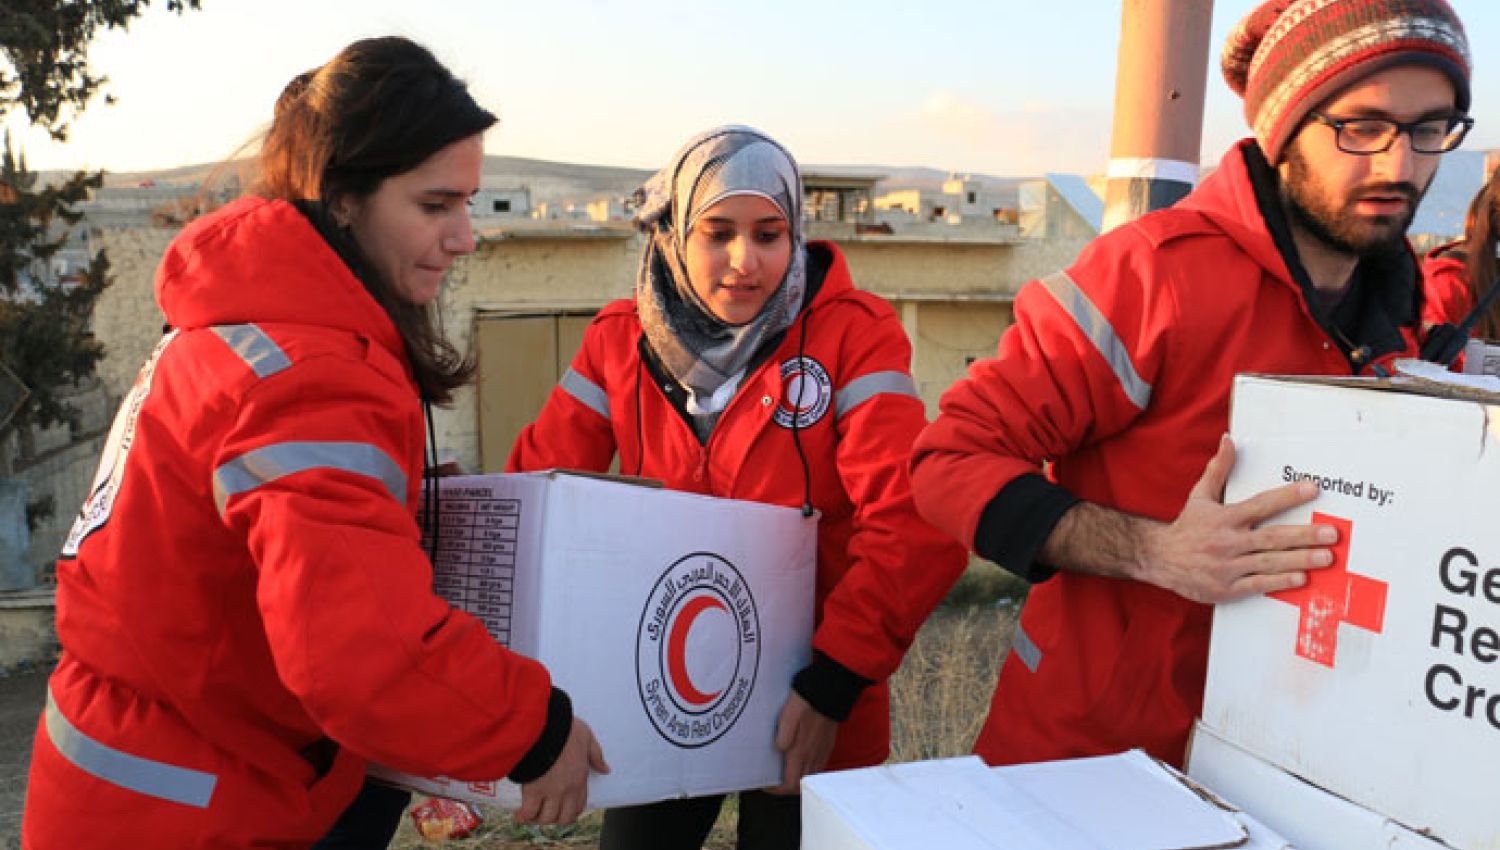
(796, 385)
(677, 649)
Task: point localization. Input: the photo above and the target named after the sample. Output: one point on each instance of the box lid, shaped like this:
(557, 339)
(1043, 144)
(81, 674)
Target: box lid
(1122, 802)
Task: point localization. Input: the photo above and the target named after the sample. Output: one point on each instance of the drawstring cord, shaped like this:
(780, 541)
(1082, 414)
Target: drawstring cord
(807, 507)
(640, 431)
(432, 499)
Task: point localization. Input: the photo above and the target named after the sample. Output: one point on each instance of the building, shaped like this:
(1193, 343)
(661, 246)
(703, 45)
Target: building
(502, 202)
(1060, 206)
(608, 208)
(847, 198)
(961, 199)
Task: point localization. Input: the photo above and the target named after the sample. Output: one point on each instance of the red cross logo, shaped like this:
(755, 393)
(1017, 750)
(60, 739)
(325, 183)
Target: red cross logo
(1334, 595)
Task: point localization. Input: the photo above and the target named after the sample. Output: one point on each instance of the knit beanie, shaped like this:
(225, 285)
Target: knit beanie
(1288, 56)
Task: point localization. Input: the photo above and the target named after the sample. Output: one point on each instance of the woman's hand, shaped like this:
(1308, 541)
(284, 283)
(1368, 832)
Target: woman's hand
(561, 794)
(805, 737)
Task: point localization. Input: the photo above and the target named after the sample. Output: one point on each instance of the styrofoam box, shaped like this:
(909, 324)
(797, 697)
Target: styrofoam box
(1379, 682)
(674, 621)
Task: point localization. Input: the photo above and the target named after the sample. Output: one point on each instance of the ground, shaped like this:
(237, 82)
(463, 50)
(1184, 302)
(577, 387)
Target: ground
(22, 695)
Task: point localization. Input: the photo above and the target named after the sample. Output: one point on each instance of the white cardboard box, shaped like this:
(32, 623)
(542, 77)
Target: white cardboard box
(674, 621)
(1310, 817)
(1127, 801)
(1379, 682)
(1481, 358)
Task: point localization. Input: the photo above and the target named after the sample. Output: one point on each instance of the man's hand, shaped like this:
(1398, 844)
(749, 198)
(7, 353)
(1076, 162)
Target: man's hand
(562, 793)
(1215, 552)
(805, 737)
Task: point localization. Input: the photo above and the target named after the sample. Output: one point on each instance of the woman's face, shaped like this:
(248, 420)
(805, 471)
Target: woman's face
(415, 224)
(737, 254)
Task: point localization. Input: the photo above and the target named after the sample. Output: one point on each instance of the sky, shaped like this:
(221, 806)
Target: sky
(1000, 87)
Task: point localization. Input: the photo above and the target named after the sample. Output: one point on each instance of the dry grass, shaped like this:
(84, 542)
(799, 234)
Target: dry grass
(939, 698)
(941, 694)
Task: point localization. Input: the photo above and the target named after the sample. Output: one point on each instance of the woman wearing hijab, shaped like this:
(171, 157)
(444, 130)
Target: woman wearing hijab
(748, 366)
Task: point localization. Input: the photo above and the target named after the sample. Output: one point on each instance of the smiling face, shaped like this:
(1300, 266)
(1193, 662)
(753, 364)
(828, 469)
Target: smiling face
(736, 254)
(415, 224)
(1358, 204)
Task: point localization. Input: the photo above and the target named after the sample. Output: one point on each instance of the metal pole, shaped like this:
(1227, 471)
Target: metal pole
(1158, 126)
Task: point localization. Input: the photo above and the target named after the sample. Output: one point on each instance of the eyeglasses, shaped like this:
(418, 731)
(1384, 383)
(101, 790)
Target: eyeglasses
(1366, 136)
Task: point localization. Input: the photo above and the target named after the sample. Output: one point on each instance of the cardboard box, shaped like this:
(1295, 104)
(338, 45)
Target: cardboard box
(1379, 682)
(674, 621)
(1122, 802)
(1481, 358)
(1308, 816)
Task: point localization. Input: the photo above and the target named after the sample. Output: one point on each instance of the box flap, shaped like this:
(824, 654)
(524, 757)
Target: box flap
(1122, 802)
(619, 478)
(1310, 816)
(1417, 377)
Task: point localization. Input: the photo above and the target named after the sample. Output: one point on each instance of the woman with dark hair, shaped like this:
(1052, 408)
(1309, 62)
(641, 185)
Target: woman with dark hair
(1458, 274)
(245, 610)
(748, 366)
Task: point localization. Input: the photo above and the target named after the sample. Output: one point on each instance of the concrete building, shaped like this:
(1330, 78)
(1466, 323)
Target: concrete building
(560, 211)
(847, 198)
(610, 209)
(150, 203)
(492, 202)
(971, 199)
(1060, 206)
(961, 199)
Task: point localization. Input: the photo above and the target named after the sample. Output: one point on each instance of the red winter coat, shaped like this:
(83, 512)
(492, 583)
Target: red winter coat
(245, 585)
(881, 569)
(1445, 282)
(1119, 372)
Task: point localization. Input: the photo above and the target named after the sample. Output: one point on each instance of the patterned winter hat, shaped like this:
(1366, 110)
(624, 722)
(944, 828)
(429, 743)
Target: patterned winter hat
(1288, 56)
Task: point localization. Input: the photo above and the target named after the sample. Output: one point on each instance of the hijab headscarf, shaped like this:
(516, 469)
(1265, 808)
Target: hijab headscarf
(705, 354)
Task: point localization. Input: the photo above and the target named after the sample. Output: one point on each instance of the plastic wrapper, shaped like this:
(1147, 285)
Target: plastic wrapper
(440, 819)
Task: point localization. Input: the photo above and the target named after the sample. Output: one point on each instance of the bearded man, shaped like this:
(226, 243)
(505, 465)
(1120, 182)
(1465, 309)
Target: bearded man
(1090, 456)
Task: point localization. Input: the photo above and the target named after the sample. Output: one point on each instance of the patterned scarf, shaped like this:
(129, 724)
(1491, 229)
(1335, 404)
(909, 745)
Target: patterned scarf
(706, 355)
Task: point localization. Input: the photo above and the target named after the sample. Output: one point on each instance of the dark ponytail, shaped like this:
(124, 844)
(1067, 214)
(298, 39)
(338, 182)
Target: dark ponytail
(381, 107)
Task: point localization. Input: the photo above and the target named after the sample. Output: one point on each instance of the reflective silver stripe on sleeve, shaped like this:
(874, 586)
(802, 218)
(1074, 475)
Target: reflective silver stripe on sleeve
(268, 463)
(157, 779)
(259, 352)
(590, 394)
(1021, 645)
(1099, 331)
(866, 387)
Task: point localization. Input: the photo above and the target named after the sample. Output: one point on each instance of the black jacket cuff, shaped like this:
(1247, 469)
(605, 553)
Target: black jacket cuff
(829, 687)
(540, 758)
(1016, 523)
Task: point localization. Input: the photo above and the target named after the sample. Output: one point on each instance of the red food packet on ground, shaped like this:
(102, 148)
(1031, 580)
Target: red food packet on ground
(440, 819)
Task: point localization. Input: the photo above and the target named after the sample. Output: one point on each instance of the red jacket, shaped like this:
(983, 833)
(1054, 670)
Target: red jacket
(1118, 371)
(881, 569)
(245, 586)
(1445, 282)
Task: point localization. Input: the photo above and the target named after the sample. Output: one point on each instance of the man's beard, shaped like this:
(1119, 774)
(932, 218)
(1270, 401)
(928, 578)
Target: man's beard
(1340, 227)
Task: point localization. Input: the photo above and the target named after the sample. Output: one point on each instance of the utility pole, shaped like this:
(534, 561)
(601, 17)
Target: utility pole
(1158, 126)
